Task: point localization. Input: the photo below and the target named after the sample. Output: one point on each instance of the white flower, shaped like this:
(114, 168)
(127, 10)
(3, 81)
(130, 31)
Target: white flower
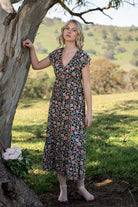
(16, 147)
(9, 151)
(13, 157)
(5, 157)
(18, 152)
(11, 154)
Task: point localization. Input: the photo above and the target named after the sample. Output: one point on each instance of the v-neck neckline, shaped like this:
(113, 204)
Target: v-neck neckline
(64, 66)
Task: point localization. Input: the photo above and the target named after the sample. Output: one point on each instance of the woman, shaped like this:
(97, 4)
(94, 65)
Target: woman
(65, 146)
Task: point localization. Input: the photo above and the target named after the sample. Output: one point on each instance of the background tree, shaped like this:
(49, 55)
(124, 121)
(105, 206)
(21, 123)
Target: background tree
(134, 60)
(102, 72)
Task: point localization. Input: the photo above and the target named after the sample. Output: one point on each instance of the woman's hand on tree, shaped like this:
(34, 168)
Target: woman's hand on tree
(28, 43)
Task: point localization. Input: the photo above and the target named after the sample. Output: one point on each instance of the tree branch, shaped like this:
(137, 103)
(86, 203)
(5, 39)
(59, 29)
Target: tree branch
(132, 4)
(112, 4)
(87, 11)
(73, 13)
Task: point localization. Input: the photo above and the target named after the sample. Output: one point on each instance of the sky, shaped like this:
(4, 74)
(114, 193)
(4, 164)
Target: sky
(125, 16)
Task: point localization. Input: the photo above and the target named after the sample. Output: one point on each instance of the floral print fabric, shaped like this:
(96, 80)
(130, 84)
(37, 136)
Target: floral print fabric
(65, 146)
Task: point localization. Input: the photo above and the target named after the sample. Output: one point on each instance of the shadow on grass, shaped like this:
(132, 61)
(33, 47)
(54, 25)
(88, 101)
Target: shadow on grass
(37, 131)
(111, 150)
(104, 161)
(104, 125)
(111, 147)
(111, 161)
(26, 103)
(127, 105)
(107, 125)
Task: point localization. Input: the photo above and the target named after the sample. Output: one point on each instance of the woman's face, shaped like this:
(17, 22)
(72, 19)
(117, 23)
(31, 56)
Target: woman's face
(70, 32)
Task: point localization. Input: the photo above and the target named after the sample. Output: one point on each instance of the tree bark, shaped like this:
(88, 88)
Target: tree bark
(14, 59)
(14, 192)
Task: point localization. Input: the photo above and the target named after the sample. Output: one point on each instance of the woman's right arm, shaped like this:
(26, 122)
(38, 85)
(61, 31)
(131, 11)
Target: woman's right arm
(36, 64)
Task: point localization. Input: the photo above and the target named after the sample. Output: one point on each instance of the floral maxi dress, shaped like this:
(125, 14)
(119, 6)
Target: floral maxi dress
(65, 146)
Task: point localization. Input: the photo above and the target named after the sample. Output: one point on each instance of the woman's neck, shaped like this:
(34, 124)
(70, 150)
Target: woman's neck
(70, 47)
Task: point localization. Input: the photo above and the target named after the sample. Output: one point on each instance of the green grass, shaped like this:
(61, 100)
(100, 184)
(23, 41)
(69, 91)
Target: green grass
(112, 139)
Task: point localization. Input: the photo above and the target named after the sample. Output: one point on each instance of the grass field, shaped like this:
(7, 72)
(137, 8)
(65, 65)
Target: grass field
(112, 139)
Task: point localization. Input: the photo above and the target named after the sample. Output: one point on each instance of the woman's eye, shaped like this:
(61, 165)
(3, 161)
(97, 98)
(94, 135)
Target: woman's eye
(72, 30)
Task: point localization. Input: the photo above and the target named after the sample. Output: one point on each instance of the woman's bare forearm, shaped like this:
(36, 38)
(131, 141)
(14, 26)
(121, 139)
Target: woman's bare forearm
(88, 97)
(34, 59)
(87, 87)
(36, 64)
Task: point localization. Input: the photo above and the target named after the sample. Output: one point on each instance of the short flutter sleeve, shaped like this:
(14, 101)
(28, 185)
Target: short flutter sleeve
(52, 57)
(84, 59)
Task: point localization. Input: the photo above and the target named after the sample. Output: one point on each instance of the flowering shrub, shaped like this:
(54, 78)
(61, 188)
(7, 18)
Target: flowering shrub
(19, 162)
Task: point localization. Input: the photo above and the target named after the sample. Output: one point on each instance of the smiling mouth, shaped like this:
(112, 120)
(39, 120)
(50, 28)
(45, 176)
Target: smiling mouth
(68, 35)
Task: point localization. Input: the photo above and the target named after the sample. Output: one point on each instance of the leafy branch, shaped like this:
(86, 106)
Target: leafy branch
(112, 4)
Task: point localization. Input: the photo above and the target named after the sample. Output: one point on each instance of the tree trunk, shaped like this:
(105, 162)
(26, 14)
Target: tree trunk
(14, 67)
(14, 59)
(14, 192)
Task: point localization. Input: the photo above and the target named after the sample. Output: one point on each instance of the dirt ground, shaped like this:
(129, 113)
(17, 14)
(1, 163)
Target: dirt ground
(107, 194)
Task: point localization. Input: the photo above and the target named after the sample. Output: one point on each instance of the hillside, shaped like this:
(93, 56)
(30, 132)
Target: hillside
(115, 43)
(118, 45)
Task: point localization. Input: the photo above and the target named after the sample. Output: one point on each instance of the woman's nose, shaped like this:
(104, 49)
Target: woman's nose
(69, 31)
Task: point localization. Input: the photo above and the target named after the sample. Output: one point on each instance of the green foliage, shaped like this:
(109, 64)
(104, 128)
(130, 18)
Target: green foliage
(38, 88)
(122, 80)
(20, 167)
(121, 50)
(129, 38)
(90, 34)
(101, 76)
(135, 53)
(86, 27)
(104, 34)
(115, 36)
(134, 78)
(107, 78)
(134, 61)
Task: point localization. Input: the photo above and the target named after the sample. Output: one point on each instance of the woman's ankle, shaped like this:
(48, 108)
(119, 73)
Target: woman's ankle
(63, 197)
(63, 185)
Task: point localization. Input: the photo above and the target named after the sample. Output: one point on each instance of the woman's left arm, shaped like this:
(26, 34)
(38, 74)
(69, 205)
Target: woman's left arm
(87, 93)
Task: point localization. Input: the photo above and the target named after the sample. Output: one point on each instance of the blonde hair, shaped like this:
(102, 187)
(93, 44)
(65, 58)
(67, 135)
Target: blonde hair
(79, 39)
